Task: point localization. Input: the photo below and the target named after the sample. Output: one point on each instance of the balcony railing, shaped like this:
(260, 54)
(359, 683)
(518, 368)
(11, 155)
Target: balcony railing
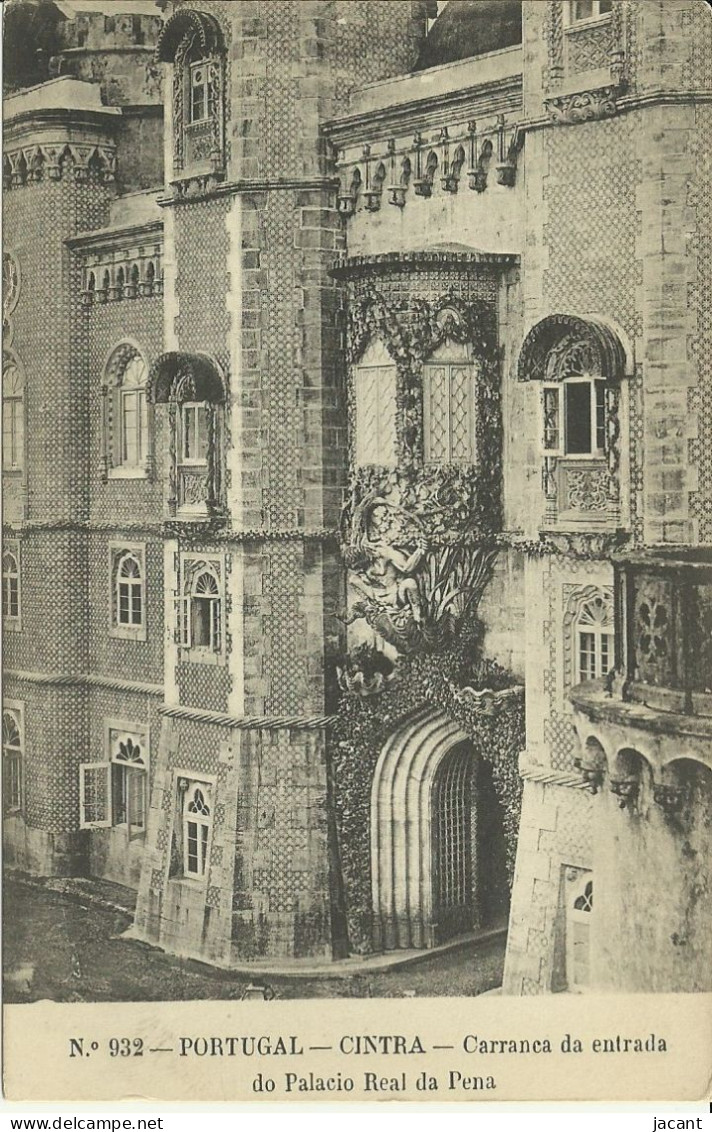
(664, 630)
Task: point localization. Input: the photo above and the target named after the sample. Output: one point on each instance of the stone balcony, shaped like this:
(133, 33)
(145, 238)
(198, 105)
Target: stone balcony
(656, 708)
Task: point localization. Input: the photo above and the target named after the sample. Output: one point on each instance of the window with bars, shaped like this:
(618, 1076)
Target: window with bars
(594, 638)
(11, 585)
(197, 822)
(114, 792)
(452, 843)
(12, 760)
(574, 417)
(375, 385)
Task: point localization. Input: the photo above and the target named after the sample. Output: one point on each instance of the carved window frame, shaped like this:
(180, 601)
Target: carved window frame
(187, 783)
(189, 55)
(193, 569)
(182, 400)
(576, 94)
(576, 598)
(562, 351)
(129, 774)
(190, 381)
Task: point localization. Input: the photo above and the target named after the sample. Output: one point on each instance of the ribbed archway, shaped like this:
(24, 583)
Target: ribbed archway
(401, 834)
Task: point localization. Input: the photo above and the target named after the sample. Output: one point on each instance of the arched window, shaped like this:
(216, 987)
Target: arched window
(449, 405)
(133, 414)
(195, 391)
(594, 638)
(127, 753)
(200, 619)
(128, 617)
(197, 820)
(578, 934)
(205, 612)
(374, 385)
(126, 425)
(11, 584)
(12, 755)
(129, 597)
(114, 792)
(580, 364)
(13, 415)
(193, 42)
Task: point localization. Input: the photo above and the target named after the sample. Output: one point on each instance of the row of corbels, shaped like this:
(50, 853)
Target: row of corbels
(420, 165)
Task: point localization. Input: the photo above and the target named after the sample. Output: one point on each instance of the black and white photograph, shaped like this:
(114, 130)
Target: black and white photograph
(357, 507)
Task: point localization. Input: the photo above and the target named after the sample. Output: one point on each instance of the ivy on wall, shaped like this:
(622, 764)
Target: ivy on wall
(451, 680)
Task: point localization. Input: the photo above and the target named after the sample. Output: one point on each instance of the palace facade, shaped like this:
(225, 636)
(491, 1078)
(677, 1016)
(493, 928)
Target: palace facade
(357, 470)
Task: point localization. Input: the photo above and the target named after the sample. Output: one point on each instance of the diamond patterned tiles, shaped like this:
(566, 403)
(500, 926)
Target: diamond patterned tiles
(700, 397)
(284, 625)
(592, 264)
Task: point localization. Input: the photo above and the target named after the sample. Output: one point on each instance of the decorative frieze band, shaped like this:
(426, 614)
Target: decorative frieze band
(33, 163)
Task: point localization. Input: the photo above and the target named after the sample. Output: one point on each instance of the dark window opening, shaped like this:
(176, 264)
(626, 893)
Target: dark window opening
(577, 400)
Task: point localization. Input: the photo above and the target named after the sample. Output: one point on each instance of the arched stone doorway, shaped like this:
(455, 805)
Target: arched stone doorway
(437, 839)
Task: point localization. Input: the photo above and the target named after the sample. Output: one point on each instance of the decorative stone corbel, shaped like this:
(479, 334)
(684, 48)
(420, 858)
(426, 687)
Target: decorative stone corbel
(584, 106)
(670, 798)
(507, 165)
(625, 789)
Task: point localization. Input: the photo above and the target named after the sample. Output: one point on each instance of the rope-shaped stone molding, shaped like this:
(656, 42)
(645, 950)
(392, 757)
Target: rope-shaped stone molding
(83, 680)
(532, 773)
(173, 530)
(249, 723)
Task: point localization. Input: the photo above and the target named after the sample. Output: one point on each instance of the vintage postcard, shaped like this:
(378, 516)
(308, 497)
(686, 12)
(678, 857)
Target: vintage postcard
(357, 550)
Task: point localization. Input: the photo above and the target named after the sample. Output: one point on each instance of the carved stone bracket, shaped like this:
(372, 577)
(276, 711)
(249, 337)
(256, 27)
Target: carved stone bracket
(584, 106)
(472, 154)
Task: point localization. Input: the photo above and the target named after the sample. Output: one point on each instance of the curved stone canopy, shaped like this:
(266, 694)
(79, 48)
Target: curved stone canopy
(471, 27)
